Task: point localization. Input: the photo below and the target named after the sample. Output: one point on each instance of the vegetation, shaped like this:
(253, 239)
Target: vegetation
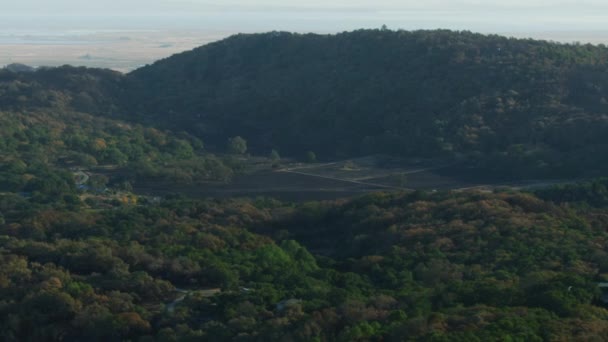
(417, 266)
(274, 155)
(311, 157)
(508, 107)
(84, 258)
(39, 146)
(237, 145)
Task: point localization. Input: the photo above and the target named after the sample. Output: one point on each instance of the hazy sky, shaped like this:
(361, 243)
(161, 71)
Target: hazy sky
(310, 15)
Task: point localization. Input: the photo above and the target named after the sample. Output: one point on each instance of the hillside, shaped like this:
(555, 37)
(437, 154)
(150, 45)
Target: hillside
(535, 107)
(92, 91)
(86, 254)
(42, 150)
(504, 107)
(444, 266)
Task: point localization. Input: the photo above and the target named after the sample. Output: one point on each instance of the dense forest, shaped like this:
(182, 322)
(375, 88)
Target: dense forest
(83, 257)
(57, 120)
(535, 108)
(42, 149)
(402, 266)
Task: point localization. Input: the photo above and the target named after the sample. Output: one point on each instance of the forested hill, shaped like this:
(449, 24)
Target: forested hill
(83, 258)
(424, 93)
(65, 88)
(533, 108)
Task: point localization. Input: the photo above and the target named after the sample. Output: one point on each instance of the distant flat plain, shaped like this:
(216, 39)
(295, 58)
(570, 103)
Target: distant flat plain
(126, 50)
(119, 50)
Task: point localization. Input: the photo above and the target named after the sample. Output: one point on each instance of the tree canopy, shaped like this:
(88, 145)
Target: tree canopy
(533, 107)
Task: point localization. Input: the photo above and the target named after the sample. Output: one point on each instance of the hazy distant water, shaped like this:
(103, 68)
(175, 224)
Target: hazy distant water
(125, 42)
(311, 20)
(248, 19)
(122, 50)
(41, 40)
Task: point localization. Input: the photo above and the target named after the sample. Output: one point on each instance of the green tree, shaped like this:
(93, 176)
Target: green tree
(274, 155)
(311, 157)
(402, 179)
(237, 145)
(98, 181)
(181, 149)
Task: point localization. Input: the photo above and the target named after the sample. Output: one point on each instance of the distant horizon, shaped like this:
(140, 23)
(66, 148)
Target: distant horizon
(53, 25)
(310, 15)
(128, 49)
(122, 23)
(88, 33)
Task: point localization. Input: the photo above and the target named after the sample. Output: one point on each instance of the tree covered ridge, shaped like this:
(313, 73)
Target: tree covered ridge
(87, 90)
(497, 100)
(534, 108)
(399, 266)
(417, 266)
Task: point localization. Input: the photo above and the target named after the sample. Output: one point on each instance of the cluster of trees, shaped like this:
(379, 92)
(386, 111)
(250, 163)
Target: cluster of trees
(38, 146)
(592, 193)
(95, 91)
(441, 266)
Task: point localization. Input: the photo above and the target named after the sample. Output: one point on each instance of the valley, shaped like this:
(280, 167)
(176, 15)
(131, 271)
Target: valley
(373, 185)
(301, 182)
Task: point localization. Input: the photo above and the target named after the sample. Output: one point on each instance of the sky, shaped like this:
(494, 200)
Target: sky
(487, 16)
